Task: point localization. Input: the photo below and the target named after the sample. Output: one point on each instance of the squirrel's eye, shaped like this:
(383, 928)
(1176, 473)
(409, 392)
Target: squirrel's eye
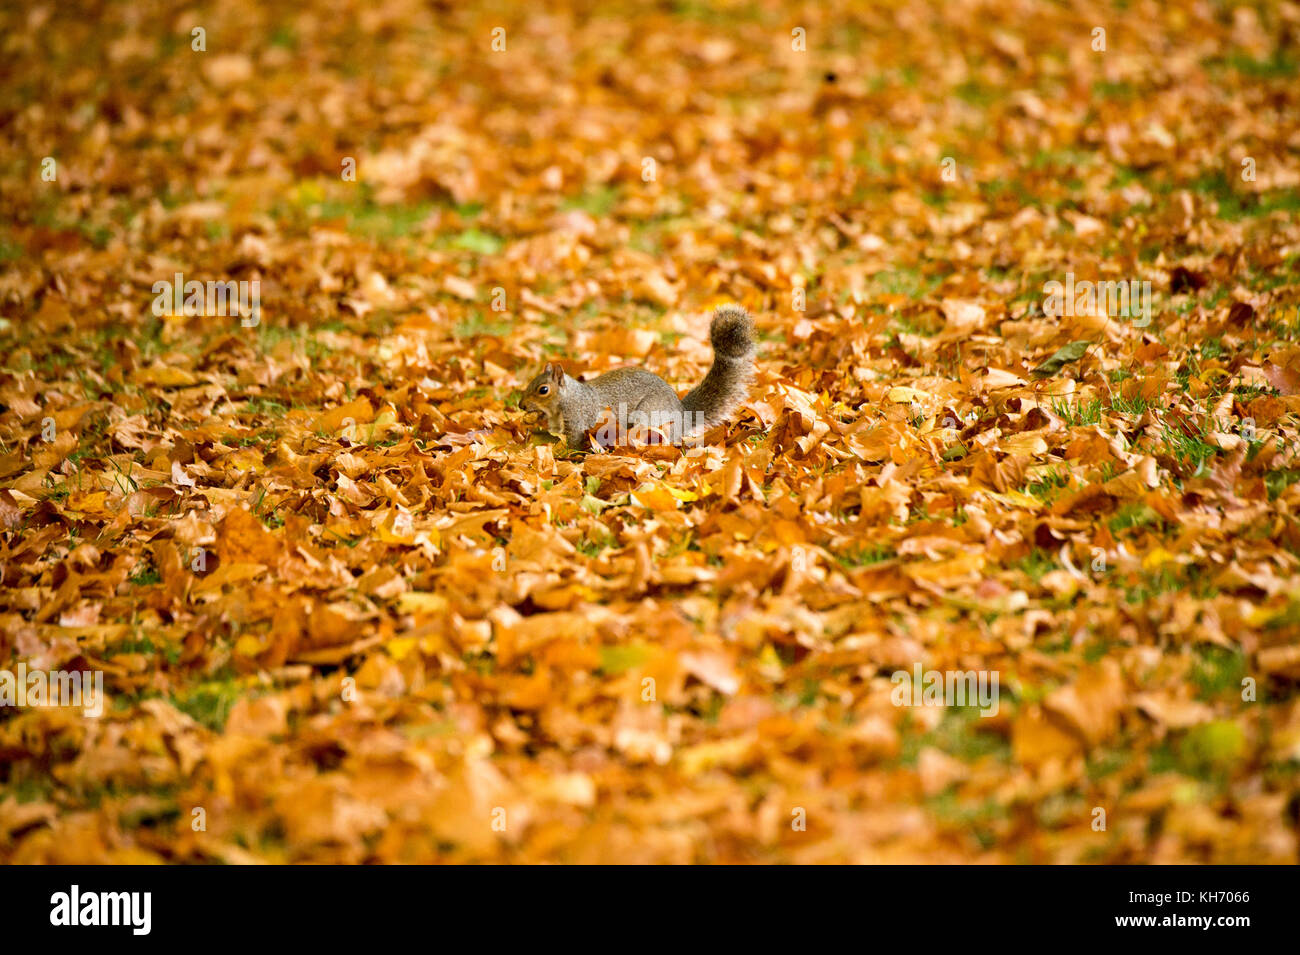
(544, 389)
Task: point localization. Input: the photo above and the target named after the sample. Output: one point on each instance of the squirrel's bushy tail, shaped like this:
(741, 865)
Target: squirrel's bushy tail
(727, 383)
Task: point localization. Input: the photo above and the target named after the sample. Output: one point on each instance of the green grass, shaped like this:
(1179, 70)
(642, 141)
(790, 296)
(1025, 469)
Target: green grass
(479, 241)
(477, 324)
(374, 220)
(598, 201)
(1165, 579)
(1217, 673)
(1209, 751)
(972, 816)
(861, 556)
(1277, 481)
(209, 703)
(1187, 449)
(1079, 413)
(978, 94)
(1237, 200)
(1010, 191)
(908, 282)
(962, 734)
(10, 249)
(1120, 90)
(1282, 65)
(1036, 564)
(1133, 406)
(145, 575)
(593, 548)
(284, 37)
(1132, 516)
(265, 406)
(302, 338)
(1103, 764)
(1049, 486)
(269, 517)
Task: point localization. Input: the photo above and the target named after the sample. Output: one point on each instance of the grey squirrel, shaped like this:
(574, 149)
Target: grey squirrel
(640, 399)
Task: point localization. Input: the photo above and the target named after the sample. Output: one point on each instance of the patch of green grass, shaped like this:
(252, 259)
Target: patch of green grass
(1289, 619)
(972, 816)
(810, 692)
(476, 324)
(1120, 90)
(1103, 764)
(373, 220)
(1210, 750)
(1278, 480)
(1248, 393)
(37, 788)
(53, 214)
(1132, 516)
(598, 201)
(962, 734)
(908, 282)
(976, 93)
(1079, 413)
(936, 198)
(1048, 487)
(259, 405)
(1211, 348)
(1036, 564)
(1236, 202)
(479, 241)
(145, 575)
(1061, 159)
(209, 703)
(10, 249)
(1217, 672)
(1282, 65)
(285, 38)
(593, 548)
(302, 338)
(1189, 450)
(864, 556)
(134, 644)
(1133, 406)
(1266, 279)
(1167, 578)
(268, 517)
(1011, 191)
(717, 14)
(1096, 649)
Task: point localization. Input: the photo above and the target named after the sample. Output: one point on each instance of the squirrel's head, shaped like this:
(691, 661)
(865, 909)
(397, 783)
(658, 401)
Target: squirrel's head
(544, 391)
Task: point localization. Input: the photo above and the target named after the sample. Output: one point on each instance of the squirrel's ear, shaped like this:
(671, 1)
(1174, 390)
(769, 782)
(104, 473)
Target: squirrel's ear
(554, 372)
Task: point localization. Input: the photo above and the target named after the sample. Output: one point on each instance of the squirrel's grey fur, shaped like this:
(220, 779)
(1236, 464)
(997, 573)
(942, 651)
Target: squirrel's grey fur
(640, 398)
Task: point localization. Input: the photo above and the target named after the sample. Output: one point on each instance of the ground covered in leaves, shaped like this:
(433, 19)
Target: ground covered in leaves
(349, 607)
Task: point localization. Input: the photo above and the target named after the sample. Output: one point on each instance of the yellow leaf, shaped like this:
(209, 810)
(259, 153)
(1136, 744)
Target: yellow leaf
(400, 647)
(248, 646)
(354, 412)
(163, 376)
(416, 602)
(654, 498)
(1156, 557)
(1015, 499)
(905, 396)
(92, 503)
